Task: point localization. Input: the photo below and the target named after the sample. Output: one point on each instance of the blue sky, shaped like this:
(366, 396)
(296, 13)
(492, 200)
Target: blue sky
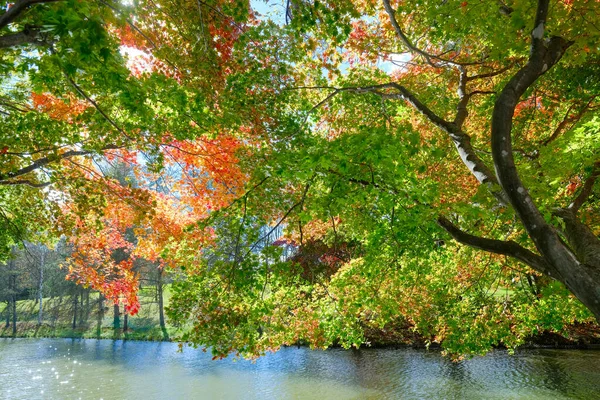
(275, 11)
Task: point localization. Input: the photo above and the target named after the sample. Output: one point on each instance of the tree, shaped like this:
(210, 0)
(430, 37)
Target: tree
(36, 256)
(373, 148)
(70, 99)
(252, 125)
(13, 288)
(73, 102)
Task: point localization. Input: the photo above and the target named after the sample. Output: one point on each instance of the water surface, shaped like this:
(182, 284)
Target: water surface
(104, 369)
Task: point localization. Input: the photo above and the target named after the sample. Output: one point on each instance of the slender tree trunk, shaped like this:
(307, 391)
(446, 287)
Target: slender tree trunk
(7, 314)
(75, 304)
(81, 306)
(117, 317)
(87, 305)
(159, 294)
(100, 313)
(12, 289)
(125, 321)
(41, 287)
(56, 309)
(9, 297)
(14, 306)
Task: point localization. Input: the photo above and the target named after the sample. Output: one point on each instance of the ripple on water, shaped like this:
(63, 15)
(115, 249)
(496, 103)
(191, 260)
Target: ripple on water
(38, 369)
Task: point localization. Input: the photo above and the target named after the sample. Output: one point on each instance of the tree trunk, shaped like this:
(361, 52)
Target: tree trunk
(81, 306)
(75, 304)
(125, 321)
(41, 286)
(577, 266)
(100, 313)
(14, 305)
(56, 309)
(564, 266)
(87, 304)
(117, 317)
(7, 314)
(159, 294)
(12, 290)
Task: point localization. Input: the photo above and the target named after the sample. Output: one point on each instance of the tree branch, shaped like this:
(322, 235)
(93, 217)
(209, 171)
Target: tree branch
(580, 275)
(17, 8)
(586, 190)
(507, 248)
(41, 162)
(411, 47)
(490, 74)
(96, 106)
(461, 140)
(568, 120)
(138, 30)
(25, 182)
(288, 212)
(26, 36)
(544, 54)
(463, 99)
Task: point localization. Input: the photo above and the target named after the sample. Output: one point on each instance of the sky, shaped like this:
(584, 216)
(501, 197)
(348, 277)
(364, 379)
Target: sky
(275, 11)
(271, 9)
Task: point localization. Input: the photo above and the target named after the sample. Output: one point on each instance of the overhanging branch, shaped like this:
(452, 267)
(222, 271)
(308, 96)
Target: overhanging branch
(507, 248)
(43, 161)
(411, 47)
(29, 35)
(461, 140)
(17, 8)
(25, 182)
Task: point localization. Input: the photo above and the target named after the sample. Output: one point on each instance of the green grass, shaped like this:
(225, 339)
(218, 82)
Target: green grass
(58, 317)
(503, 293)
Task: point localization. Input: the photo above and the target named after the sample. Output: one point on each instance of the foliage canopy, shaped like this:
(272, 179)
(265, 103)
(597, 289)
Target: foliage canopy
(344, 166)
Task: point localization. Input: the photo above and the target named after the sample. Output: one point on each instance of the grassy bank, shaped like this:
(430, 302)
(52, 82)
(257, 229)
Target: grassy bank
(58, 316)
(91, 321)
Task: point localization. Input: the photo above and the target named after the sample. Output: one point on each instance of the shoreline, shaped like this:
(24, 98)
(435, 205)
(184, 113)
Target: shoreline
(581, 338)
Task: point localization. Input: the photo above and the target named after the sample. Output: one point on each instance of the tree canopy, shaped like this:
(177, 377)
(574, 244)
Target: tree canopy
(345, 165)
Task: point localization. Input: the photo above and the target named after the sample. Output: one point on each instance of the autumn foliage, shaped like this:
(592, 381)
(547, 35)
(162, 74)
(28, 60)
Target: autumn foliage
(309, 178)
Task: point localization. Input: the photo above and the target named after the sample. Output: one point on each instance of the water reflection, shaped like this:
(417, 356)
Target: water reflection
(92, 369)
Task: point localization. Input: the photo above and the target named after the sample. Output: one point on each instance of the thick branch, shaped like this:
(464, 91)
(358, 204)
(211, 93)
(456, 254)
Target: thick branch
(17, 8)
(411, 47)
(29, 35)
(26, 182)
(464, 97)
(507, 248)
(543, 56)
(580, 275)
(582, 240)
(577, 268)
(461, 140)
(41, 162)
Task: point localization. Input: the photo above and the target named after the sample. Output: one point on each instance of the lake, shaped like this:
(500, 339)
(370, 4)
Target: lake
(104, 369)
